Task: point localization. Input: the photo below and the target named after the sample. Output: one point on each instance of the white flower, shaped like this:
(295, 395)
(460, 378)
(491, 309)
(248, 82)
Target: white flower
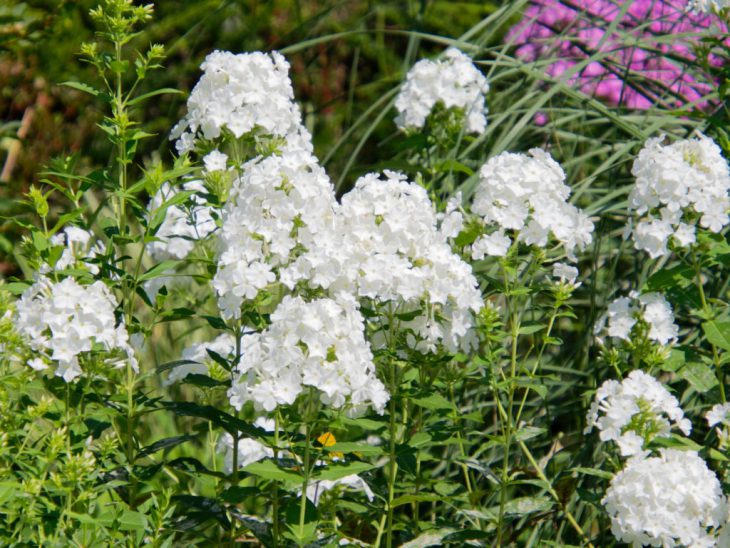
(239, 93)
(719, 414)
(495, 244)
(215, 161)
(64, 320)
(565, 273)
(675, 184)
(623, 313)
(249, 450)
(80, 250)
(669, 500)
(198, 359)
(182, 225)
(320, 344)
(454, 82)
(707, 6)
(317, 488)
(527, 194)
(639, 401)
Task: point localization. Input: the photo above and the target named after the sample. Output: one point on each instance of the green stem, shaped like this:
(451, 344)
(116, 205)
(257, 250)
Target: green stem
(305, 483)
(393, 465)
(708, 313)
(275, 497)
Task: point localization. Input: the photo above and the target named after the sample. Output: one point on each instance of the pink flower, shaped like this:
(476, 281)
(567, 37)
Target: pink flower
(652, 70)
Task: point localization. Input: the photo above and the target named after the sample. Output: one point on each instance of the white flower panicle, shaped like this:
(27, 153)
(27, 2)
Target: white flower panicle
(453, 81)
(678, 186)
(63, 320)
(197, 359)
(80, 249)
(719, 414)
(526, 195)
(395, 251)
(239, 93)
(281, 208)
(629, 411)
(319, 344)
(669, 500)
(623, 314)
(182, 226)
(249, 450)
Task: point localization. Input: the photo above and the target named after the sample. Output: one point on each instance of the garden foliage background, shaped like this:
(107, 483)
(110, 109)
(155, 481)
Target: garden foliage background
(465, 472)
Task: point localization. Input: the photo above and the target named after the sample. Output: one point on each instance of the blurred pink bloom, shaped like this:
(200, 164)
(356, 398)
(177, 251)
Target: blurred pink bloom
(654, 69)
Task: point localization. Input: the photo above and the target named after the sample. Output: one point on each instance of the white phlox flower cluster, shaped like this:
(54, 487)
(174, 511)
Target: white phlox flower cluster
(453, 81)
(79, 248)
(524, 197)
(634, 409)
(566, 274)
(63, 320)
(395, 251)
(719, 416)
(197, 359)
(669, 500)
(239, 93)
(678, 186)
(316, 489)
(182, 226)
(249, 450)
(319, 344)
(707, 6)
(281, 208)
(623, 314)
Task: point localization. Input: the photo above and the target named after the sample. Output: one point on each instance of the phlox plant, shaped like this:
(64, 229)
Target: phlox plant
(506, 334)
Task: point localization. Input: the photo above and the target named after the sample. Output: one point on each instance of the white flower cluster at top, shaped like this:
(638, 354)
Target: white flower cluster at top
(629, 411)
(527, 194)
(623, 314)
(453, 81)
(669, 500)
(708, 6)
(182, 226)
(320, 344)
(239, 93)
(63, 320)
(677, 187)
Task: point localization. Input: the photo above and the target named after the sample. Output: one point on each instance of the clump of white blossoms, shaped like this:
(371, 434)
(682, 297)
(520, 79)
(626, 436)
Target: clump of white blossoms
(708, 6)
(239, 93)
(634, 411)
(524, 197)
(249, 450)
(624, 313)
(453, 81)
(183, 225)
(669, 500)
(63, 320)
(319, 344)
(79, 250)
(316, 489)
(197, 358)
(678, 186)
(720, 415)
(396, 252)
(280, 208)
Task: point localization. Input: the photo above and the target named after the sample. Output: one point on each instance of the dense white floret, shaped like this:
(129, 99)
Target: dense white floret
(623, 314)
(182, 225)
(669, 500)
(239, 93)
(453, 81)
(633, 411)
(197, 359)
(527, 196)
(63, 320)
(319, 344)
(678, 186)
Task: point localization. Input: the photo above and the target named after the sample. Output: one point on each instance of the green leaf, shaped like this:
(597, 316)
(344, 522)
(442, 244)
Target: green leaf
(699, 375)
(81, 87)
(718, 333)
(144, 96)
(158, 270)
(434, 401)
(132, 521)
(355, 447)
(593, 472)
(268, 469)
(165, 443)
(528, 505)
(340, 470)
(407, 499)
(675, 360)
(529, 329)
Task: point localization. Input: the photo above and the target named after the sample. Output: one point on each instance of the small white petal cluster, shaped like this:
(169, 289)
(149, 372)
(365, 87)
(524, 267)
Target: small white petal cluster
(182, 226)
(395, 251)
(79, 249)
(623, 411)
(719, 414)
(707, 6)
(280, 209)
(316, 489)
(453, 81)
(239, 93)
(317, 344)
(669, 500)
(524, 196)
(63, 320)
(623, 314)
(678, 186)
(197, 359)
(566, 274)
(249, 450)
